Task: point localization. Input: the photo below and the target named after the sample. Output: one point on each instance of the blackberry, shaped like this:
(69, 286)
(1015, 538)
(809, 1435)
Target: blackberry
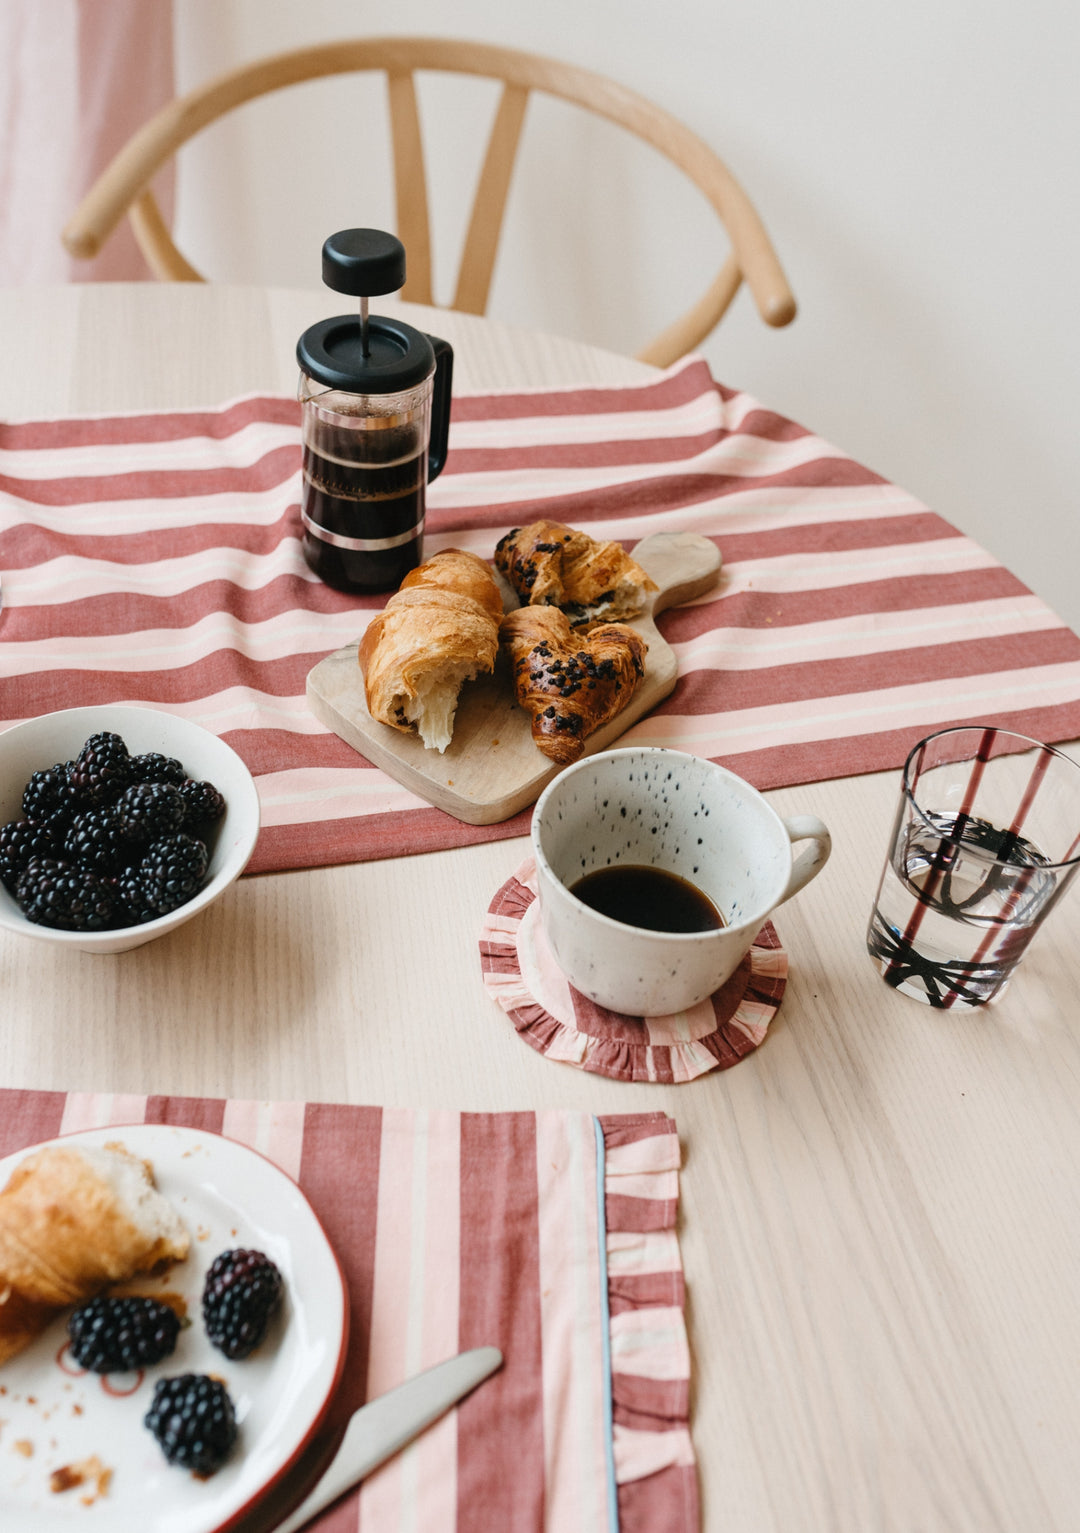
(120, 1335)
(20, 840)
(147, 811)
(172, 871)
(131, 907)
(101, 768)
(56, 893)
(48, 795)
(154, 767)
(193, 1419)
(94, 839)
(203, 804)
(242, 1291)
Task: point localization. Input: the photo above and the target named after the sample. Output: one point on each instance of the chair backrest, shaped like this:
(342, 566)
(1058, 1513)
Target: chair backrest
(124, 184)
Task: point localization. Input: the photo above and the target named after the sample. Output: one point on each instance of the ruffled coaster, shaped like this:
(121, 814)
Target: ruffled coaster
(520, 972)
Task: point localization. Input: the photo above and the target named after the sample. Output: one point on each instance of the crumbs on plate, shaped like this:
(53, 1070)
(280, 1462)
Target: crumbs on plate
(88, 1471)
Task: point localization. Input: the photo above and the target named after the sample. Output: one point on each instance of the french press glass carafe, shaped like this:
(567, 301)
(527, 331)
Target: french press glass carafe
(376, 410)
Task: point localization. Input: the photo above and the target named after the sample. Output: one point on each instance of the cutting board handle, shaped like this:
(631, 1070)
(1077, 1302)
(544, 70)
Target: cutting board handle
(683, 564)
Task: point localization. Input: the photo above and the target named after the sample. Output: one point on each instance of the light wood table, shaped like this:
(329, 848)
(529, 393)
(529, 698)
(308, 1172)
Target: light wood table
(881, 1212)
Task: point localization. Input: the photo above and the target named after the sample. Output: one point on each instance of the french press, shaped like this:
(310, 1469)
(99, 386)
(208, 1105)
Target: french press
(376, 411)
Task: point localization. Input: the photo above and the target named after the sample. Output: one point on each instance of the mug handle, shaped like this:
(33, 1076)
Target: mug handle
(806, 827)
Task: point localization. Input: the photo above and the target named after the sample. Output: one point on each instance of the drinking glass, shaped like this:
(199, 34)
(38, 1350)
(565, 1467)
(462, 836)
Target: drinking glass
(986, 840)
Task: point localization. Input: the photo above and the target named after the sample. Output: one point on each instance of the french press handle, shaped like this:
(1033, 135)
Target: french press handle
(440, 406)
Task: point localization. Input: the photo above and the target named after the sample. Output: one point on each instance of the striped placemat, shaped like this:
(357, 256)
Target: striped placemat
(551, 1235)
(155, 558)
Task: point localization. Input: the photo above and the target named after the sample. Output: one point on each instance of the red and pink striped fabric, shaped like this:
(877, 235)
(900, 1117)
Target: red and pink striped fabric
(550, 1235)
(155, 558)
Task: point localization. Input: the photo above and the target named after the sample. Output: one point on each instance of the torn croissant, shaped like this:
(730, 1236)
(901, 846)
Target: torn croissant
(438, 631)
(74, 1220)
(570, 683)
(550, 564)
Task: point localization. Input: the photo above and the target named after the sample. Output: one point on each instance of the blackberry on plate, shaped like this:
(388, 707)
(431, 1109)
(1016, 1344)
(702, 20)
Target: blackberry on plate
(120, 1335)
(101, 768)
(95, 840)
(203, 804)
(48, 795)
(20, 840)
(152, 766)
(241, 1293)
(172, 871)
(56, 893)
(149, 810)
(193, 1419)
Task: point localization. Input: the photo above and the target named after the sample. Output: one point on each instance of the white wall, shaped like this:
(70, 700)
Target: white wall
(915, 164)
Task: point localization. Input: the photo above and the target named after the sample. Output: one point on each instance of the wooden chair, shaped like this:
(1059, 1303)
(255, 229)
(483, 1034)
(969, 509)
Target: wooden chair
(124, 185)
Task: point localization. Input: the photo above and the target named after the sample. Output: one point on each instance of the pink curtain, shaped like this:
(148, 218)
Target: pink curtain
(77, 77)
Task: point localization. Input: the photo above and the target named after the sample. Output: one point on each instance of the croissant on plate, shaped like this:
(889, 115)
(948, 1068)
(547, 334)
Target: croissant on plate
(74, 1220)
(439, 630)
(550, 564)
(570, 683)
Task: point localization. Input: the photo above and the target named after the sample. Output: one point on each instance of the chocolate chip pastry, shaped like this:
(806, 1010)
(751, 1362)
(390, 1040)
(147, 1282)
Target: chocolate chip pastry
(552, 565)
(570, 683)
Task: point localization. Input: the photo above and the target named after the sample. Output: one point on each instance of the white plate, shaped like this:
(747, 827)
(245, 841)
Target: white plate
(228, 1196)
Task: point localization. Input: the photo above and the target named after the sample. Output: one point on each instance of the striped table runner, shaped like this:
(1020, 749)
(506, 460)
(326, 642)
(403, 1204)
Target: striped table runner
(155, 558)
(550, 1235)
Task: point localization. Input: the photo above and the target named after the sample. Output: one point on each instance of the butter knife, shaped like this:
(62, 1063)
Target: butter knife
(383, 1427)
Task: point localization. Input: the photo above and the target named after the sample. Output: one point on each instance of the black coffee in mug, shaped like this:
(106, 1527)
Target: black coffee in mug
(648, 897)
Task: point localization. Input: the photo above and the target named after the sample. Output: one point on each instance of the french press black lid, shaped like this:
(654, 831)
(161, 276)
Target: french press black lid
(365, 354)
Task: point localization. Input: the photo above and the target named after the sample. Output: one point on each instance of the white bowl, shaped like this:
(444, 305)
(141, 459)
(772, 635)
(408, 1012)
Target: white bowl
(39, 743)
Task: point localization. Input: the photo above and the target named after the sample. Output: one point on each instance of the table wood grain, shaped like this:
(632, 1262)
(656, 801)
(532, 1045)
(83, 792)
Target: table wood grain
(881, 1216)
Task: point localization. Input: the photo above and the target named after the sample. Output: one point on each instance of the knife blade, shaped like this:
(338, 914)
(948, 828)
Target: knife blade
(383, 1427)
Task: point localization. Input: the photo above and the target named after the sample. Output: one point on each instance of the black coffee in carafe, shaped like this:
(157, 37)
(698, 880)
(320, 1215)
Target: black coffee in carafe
(381, 498)
(376, 410)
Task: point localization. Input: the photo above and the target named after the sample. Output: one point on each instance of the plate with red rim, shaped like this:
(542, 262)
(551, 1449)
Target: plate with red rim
(61, 1421)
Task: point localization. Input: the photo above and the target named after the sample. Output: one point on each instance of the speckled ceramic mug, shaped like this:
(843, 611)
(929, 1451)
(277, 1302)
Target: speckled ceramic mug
(685, 815)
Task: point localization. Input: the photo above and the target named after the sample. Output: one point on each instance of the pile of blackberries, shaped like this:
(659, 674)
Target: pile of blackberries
(191, 1414)
(109, 839)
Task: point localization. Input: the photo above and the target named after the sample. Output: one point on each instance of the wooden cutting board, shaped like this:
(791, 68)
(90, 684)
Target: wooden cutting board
(491, 768)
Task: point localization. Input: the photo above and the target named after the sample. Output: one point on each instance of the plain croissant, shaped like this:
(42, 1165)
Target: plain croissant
(438, 631)
(550, 564)
(570, 683)
(73, 1221)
